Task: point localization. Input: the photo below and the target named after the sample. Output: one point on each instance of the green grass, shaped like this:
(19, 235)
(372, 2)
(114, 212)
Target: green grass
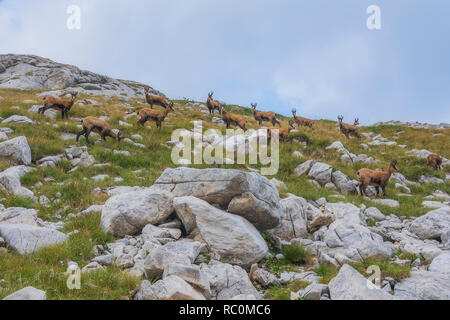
(296, 254)
(326, 272)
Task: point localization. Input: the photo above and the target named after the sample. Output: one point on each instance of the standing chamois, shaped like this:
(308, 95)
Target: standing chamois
(302, 121)
(377, 179)
(97, 125)
(158, 116)
(282, 133)
(434, 161)
(157, 100)
(213, 104)
(51, 102)
(348, 129)
(230, 118)
(264, 116)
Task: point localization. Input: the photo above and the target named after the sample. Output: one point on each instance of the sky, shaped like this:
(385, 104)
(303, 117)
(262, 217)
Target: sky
(317, 56)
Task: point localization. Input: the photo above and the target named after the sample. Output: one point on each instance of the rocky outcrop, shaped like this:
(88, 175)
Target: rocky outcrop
(229, 236)
(247, 194)
(27, 72)
(127, 213)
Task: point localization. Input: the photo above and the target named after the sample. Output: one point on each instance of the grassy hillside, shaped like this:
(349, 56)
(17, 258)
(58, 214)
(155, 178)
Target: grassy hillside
(75, 191)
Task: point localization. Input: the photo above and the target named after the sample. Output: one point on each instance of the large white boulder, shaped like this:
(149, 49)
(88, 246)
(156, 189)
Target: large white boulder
(10, 181)
(230, 236)
(247, 194)
(321, 172)
(16, 150)
(27, 293)
(294, 219)
(349, 284)
(127, 213)
(170, 288)
(228, 281)
(27, 239)
(432, 224)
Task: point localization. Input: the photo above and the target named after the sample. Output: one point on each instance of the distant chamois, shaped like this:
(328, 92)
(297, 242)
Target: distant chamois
(230, 118)
(158, 116)
(157, 100)
(348, 129)
(97, 125)
(261, 116)
(282, 133)
(213, 104)
(51, 102)
(300, 121)
(377, 179)
(434, 161)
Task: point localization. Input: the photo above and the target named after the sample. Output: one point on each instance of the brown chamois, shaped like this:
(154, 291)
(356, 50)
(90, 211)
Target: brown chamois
(230, 118)
(51, 102)
(282, 133)
(434, 161)
(158, 116)
(377, 179)
(97, 125)
(348, 129)
(264, 116)
(213, 104)
(157, 100)
(302, 121)
(356, 123)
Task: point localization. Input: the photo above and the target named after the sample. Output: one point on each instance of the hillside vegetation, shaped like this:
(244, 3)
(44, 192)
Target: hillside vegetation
(71, 192)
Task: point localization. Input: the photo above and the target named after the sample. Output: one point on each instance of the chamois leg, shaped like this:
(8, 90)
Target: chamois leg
(142, 121)
(80, 133)
(384, 190)
(275, 121)
(86, 136)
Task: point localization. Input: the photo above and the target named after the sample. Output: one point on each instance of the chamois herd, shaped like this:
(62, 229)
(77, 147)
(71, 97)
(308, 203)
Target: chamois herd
(367, 177)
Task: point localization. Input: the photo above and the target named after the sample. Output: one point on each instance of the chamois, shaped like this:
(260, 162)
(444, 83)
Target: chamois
(51, 102)
(356, 123)
(282, 133)
(97, 125)
(301, 121)
(378, 179)
(348, 129)
(213, 104)
(157, 100)
(230, 118)
(158, 116)
(434, 161)
(264, 116)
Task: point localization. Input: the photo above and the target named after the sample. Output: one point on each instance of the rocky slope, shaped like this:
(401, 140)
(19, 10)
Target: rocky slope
(27, 72)
(141, 227)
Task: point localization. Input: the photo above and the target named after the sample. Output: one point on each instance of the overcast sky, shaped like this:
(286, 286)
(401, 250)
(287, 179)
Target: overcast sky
(315, 55)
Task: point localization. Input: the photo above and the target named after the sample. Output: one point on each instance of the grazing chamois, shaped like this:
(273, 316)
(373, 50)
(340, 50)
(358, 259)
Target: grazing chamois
(377, 179)
(230, 118)
(348, 129)
(97, 125)
(157, 100)
(261, 116)
(282, 133)
(51, 102)
(213, 104)
(301, 121)
(158, 116)
(434, 161)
